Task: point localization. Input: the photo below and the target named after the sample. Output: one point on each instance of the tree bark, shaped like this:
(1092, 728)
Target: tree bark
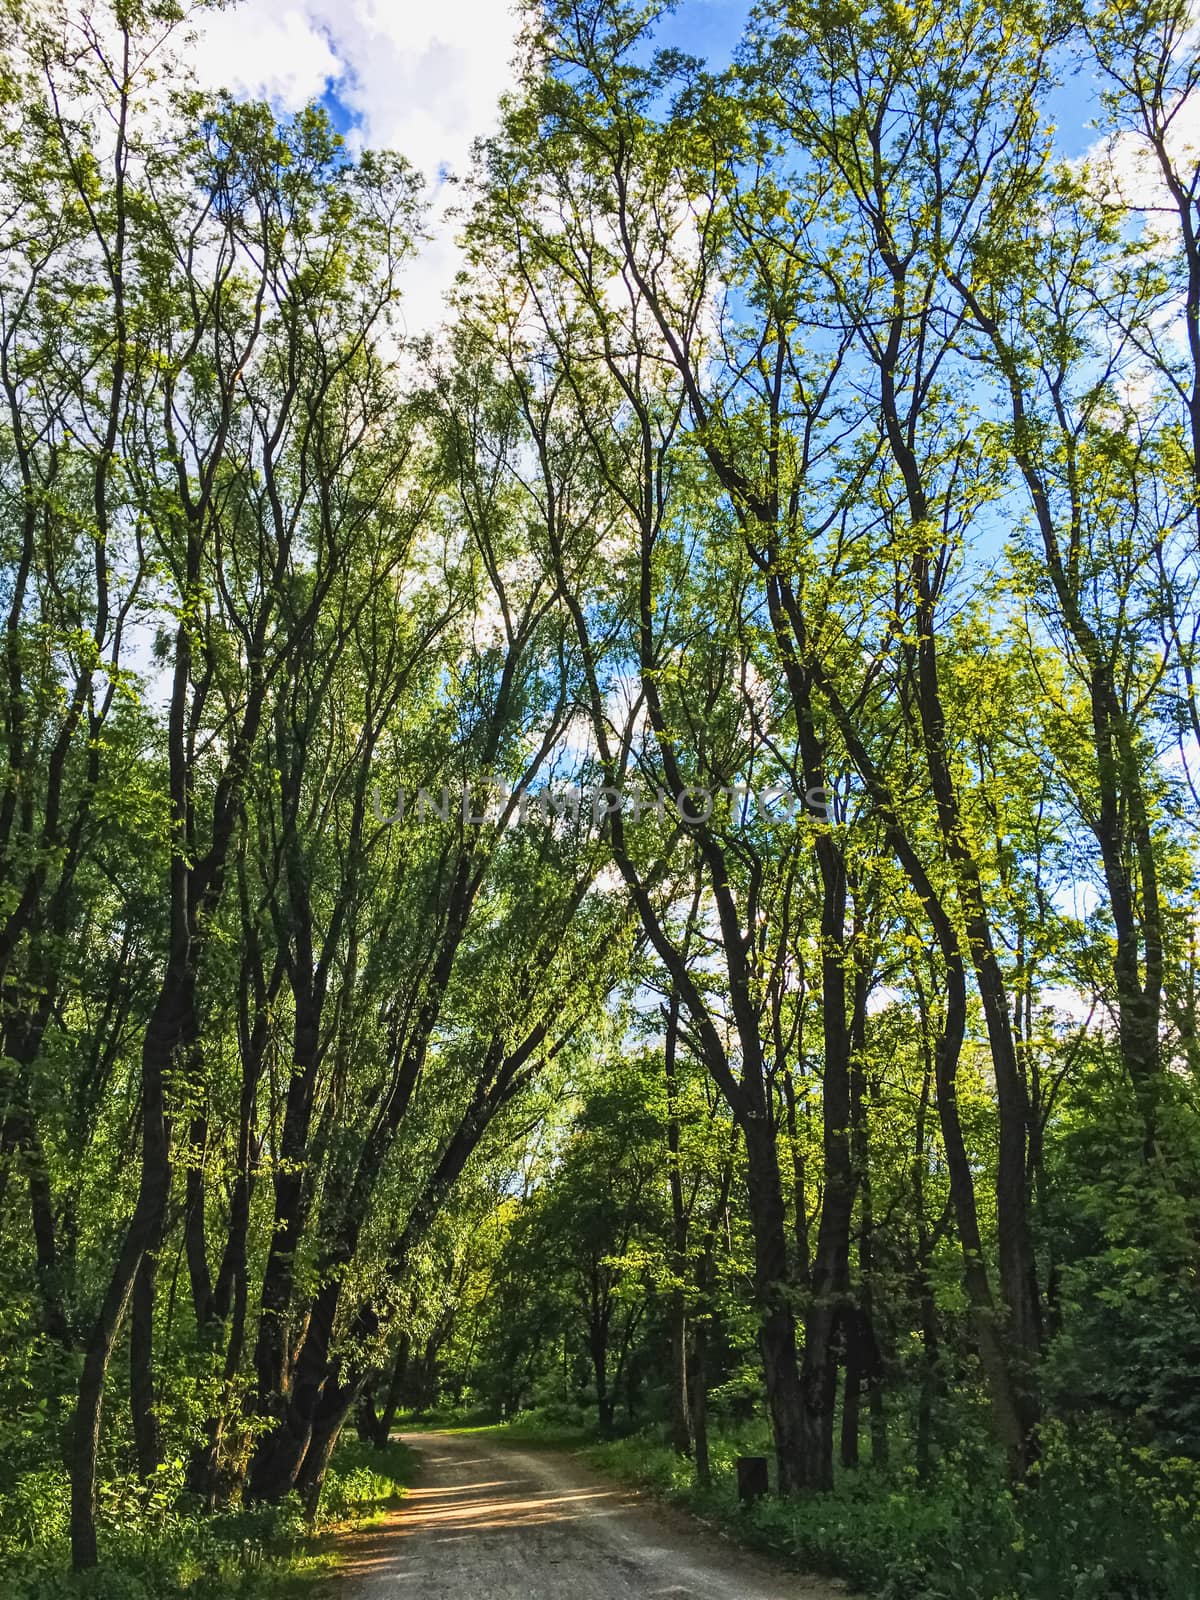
(194, 1232)
(147, 1441)
(680, 1422)
(851, 1392)
(776, 1319)
(699, 1407)
(143, 1235)
(830, 1281)
(395, 1391)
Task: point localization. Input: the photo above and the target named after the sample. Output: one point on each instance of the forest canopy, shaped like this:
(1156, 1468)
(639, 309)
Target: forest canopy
(631, 856)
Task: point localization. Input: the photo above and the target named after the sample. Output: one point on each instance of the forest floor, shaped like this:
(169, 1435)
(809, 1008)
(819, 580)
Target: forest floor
(488, 1522)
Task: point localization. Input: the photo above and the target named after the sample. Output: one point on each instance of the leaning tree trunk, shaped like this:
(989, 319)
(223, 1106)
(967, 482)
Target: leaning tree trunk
(395, 1391)
(146, 1437)
(195, 891)
(142, 1236)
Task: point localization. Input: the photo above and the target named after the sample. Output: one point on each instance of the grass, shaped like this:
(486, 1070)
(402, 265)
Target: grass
(533, 1428)
(153, 1547)
(363, 1481)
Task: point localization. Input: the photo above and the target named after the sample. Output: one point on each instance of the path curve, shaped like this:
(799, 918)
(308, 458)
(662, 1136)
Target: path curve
(488, 1522)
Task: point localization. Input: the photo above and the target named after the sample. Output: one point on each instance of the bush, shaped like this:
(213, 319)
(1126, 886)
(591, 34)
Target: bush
(1098, 1520)
(363, 1480)
(158, 1546)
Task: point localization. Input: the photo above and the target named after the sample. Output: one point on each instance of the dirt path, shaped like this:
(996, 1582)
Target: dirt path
(491, 1523)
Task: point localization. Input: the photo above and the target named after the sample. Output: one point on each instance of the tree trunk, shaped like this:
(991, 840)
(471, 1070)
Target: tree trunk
(1009, 1415)
(777, 1323)
(680, 1424)
(146, 1438)
(230, 1295)
(703, 1323)
(194, 1233)
(1007, 1411)
(605, 1402)
(395, 1391)
(366, 1421)
(929, 1381)
(699, 1409)
(23, 1044)
(869, 1353)
(830, 1283)
(877, 1403)
(799, 1180)
(41, 1206)
(334, 1409)
(851, 1392)
(291, 1182)
(143, 1235)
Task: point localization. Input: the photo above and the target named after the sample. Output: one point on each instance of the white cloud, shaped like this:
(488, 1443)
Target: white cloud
(1124, 167)
(1127, 170)
(278, 56)
(419, 78)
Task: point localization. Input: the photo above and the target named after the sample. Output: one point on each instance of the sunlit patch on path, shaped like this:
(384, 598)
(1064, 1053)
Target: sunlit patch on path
(488, 1523)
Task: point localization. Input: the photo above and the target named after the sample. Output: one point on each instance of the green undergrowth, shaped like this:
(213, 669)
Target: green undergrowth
(155, 1545)
(1099, 1519)
(549, 1429)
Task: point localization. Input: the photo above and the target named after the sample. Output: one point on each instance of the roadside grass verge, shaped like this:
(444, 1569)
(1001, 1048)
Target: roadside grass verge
(1095, 1521)
(154, 1546)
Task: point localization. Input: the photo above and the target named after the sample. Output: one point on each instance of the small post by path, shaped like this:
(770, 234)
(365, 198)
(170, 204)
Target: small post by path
(751, 1477)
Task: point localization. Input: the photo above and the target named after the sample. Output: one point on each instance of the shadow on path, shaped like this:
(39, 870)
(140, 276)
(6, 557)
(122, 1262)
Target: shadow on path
(489, 1523)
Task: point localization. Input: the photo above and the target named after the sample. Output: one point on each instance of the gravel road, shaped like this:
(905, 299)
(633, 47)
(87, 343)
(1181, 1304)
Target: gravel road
(487, 1522)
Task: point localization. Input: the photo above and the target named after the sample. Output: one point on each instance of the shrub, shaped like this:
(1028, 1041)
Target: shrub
(1099, 1519)
(158, 1546)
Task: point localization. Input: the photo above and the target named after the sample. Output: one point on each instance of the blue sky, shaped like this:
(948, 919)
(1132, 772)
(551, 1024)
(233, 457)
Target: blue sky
(711, 28)
(425, 80)
(704, 28)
